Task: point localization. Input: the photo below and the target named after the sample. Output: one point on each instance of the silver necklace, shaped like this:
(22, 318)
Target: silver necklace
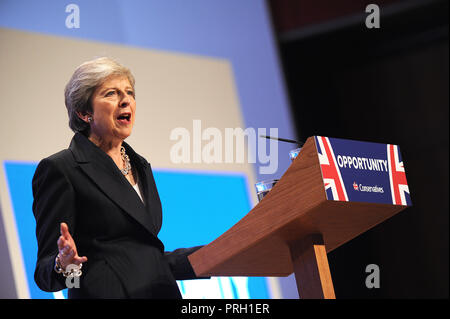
(126, 161)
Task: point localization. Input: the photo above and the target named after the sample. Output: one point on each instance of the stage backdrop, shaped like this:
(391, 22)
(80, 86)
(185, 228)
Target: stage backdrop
(212, 63)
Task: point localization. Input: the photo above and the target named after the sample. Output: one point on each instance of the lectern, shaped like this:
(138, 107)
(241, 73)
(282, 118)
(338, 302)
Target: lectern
(334, 190)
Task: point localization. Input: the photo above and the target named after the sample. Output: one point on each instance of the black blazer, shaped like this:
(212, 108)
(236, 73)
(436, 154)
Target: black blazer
(111, 226)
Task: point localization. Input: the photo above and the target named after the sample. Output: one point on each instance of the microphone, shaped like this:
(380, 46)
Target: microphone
(283, 140)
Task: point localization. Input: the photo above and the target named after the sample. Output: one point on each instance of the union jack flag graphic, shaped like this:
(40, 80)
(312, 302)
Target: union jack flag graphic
(397, 177)
(332, 179)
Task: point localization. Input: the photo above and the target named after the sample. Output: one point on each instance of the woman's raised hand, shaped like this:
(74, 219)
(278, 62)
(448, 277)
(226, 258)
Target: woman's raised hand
(67, 249)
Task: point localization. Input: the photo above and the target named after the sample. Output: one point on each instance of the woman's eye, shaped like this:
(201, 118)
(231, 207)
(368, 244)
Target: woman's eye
(110, 93)
(131, 93)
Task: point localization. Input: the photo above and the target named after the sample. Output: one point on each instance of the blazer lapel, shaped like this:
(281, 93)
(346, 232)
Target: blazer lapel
(104, 173)
(148, 187)
(153, 202)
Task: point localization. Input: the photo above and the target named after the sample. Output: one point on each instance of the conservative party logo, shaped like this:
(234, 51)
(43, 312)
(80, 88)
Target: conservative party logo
(366, 188)
(362, 171)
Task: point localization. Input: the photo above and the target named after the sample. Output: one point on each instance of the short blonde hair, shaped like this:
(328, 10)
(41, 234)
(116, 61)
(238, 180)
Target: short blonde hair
(86, 78)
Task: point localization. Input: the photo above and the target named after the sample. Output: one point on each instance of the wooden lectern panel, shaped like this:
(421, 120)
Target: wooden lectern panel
(312, 271)
(297, 206)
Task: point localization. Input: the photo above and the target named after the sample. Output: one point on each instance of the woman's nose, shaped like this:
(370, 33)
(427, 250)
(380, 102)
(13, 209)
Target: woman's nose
(125, 101)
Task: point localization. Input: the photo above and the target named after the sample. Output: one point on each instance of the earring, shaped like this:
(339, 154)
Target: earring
(89, 119)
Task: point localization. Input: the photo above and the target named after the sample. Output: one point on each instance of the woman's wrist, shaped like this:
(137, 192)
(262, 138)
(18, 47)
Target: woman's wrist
(71, 270)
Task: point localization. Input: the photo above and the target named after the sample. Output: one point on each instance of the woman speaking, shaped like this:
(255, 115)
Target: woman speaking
(96, 205)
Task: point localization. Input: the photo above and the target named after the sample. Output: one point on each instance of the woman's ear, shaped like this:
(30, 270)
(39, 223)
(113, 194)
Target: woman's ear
(86, 117)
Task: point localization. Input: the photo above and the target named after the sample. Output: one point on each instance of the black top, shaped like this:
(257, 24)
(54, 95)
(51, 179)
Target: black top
(111, 226)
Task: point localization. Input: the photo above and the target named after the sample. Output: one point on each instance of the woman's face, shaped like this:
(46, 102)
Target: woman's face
(114, 107)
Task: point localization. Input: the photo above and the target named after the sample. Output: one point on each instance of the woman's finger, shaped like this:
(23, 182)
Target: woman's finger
(70, 259)
(65, 231)
(80, 260)
(61, 242)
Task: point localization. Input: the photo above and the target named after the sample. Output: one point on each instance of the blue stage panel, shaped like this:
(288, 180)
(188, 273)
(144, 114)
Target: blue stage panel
(197, 208)
(19, 176)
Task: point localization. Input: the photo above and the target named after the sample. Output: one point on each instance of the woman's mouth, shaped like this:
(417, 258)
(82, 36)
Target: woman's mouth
(124, 118)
